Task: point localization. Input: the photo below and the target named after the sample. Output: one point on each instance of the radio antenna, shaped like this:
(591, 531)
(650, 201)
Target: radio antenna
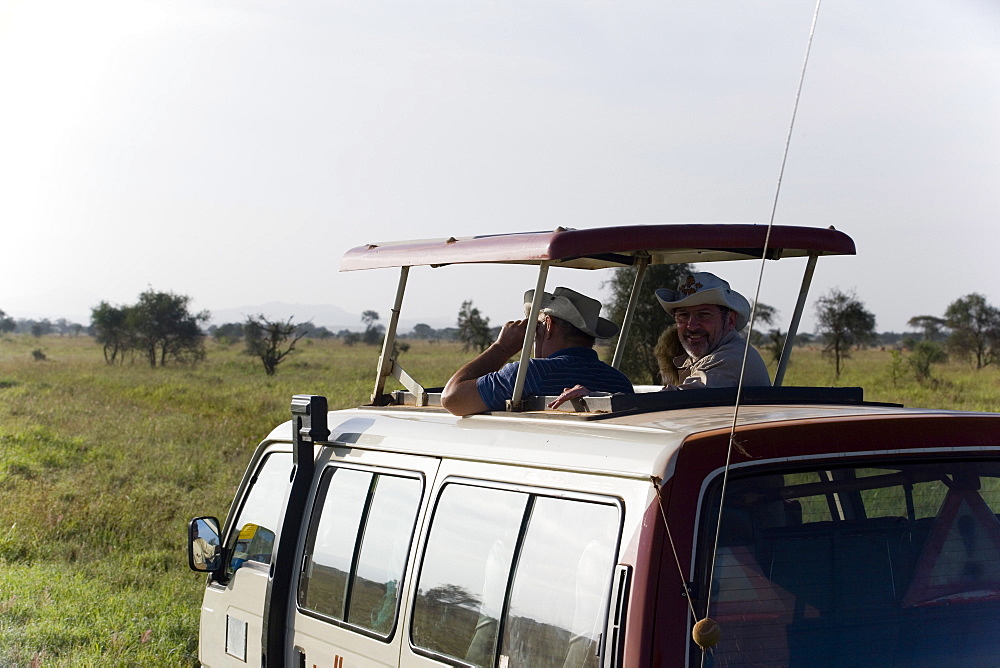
(760, 277)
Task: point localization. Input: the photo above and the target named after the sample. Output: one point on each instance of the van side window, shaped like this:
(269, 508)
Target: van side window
(463, 581)
(514, 577)
(561, 584)
(261, 512)
(356, 549)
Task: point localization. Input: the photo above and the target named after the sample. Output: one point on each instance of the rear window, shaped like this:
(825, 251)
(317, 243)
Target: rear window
(511, 578)
(895, 565)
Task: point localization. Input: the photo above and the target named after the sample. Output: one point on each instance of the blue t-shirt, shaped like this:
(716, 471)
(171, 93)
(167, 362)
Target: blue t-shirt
(549, 376)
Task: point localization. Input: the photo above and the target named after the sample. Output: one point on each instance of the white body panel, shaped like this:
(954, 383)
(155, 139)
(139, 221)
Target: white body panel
(612, 459)
(232, 616)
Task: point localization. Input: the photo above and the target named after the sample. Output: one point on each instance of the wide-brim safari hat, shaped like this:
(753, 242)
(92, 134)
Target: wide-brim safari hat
(705, 288)
(578, 310)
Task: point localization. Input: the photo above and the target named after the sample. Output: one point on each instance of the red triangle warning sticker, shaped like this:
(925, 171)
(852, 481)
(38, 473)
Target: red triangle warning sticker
(961, 558)
(744, 592)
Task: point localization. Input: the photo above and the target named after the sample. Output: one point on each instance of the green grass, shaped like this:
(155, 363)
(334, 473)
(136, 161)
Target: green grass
(102, 466)
(98, 614)
(953, 385)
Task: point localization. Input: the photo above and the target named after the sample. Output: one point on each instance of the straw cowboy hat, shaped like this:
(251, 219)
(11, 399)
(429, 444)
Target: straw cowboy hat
(705, 288)
(578, 310)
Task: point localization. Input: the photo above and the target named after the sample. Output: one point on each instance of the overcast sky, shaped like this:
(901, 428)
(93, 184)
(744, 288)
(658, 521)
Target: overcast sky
(232, 151)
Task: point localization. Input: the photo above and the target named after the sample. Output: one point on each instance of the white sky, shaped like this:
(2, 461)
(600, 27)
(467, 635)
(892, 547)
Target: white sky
(233, 150)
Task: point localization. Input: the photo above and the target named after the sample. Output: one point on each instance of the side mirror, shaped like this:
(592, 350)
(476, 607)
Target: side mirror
(204, 545)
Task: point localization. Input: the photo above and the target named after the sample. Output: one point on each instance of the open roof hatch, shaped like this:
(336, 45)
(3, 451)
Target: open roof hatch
(596, 248)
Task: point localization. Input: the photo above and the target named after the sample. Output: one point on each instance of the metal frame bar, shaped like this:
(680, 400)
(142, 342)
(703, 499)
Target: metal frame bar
(793, 327)
(385, 359)
(642, 261)
(388, 367)
(529, 337)
(407, 381)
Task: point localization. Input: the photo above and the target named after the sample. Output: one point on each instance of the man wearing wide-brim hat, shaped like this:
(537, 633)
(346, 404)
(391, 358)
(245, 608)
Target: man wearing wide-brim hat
(709, 314)
(567, 327)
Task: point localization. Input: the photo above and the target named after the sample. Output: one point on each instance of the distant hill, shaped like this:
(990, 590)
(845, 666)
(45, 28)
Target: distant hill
(332, 317)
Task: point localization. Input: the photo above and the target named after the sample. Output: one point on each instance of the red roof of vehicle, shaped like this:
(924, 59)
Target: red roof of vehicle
(602, 247)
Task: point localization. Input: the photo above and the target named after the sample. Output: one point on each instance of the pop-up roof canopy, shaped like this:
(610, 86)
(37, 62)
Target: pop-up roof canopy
(597, 248)
(607, 246)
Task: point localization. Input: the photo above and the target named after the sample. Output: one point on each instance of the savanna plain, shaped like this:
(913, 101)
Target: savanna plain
(101, 467)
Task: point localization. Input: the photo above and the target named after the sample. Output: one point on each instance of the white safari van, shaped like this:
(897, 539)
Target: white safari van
(815, 528)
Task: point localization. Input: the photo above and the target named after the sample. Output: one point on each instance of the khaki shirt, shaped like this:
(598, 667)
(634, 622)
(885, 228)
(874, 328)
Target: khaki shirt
(721, 367)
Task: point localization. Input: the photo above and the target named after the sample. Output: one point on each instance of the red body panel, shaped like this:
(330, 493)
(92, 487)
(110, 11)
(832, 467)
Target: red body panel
(875, 437)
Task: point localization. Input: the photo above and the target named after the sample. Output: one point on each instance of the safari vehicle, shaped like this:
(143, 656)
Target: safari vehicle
(815, 528)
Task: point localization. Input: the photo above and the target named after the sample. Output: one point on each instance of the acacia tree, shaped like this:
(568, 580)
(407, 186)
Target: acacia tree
(373, 330)
(111, 329)
(764, 314)
(773, 340)
(164, 329)
(648, 320)
(844, 323)
(473, 328)
(7, 323)
(975, 329)
(41, 327)
(228, 332)
(423, 331)
(930, 325)
(270, 341)
(774, 343)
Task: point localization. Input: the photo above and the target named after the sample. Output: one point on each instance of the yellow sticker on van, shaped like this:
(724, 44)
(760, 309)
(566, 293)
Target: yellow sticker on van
(248, 532)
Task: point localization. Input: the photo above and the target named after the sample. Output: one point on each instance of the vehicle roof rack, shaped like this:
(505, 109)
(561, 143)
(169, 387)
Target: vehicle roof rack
(596, 248)
(602, 406)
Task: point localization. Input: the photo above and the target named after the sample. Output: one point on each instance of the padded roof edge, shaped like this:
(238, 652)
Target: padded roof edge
(602, 247)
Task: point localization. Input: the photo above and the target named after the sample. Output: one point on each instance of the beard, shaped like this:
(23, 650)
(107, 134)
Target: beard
(699, 343)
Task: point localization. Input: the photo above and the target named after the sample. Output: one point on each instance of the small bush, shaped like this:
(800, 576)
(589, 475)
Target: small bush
(924, 354)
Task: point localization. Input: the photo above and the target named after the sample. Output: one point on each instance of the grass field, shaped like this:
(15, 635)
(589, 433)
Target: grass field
(102, 466)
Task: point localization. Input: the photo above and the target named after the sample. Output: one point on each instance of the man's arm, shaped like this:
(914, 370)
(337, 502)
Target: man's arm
(461, 394)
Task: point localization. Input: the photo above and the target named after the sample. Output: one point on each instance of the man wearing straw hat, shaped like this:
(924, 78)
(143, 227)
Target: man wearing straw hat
(709, 314)
(568, 325)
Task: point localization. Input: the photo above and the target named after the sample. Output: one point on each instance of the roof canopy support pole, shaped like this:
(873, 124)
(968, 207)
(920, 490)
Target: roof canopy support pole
(642, 261)
(529, 337)
(385, 359)
(406, 380)
(793, 328)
